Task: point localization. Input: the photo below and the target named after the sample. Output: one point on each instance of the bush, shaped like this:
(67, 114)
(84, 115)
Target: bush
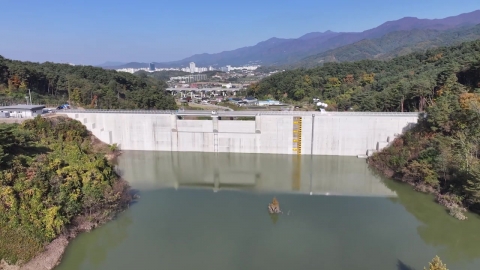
(50, 175)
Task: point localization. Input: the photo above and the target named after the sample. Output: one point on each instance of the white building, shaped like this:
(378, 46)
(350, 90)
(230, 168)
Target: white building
(228, 85)
(268, 102)
(22, 111)
(190, 78)
(192, 67)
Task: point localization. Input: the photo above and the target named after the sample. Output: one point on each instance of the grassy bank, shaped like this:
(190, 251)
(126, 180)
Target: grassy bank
(53, 178)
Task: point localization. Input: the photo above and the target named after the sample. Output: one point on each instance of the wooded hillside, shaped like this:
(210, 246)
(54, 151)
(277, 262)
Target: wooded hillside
(406, 83)
(51, 174)
(84, 86)
(441, 154)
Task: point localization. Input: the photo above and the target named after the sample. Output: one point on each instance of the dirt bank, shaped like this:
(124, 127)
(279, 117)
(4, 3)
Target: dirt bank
(49, 258)
(53, 252)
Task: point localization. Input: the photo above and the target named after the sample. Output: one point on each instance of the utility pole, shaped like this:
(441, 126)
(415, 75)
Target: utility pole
(30, 95)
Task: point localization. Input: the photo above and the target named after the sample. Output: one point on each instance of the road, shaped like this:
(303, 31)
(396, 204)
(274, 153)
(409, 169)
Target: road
(245, 113)
(207, 107)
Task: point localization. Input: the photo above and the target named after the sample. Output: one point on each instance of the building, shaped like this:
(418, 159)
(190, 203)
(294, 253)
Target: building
(268, 102)
(152, 67)
(22, 111)
(228, 85)
(250, 100)
(190, 78)
(229, 68)
(192, 67)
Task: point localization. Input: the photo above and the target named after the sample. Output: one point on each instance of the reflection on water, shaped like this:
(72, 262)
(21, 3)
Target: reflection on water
(175, 226)
(109, 237)
(280, 173)
(274, 217)
(457, 240)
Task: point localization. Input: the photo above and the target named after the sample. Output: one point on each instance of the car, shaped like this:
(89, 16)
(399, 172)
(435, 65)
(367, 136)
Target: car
(64, 106)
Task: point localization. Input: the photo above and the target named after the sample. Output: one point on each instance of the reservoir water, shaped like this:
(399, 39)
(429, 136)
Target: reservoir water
(206, 211)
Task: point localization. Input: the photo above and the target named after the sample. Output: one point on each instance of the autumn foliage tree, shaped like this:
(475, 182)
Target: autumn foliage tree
(14, 82)
(436, 264)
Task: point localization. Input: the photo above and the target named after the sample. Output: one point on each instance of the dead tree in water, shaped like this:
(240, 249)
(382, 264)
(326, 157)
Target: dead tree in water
(274, 207)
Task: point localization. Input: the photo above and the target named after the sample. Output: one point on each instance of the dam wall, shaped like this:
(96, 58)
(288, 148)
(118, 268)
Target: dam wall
(301, 133)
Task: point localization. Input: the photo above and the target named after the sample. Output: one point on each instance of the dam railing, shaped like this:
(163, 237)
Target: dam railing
(242, 113)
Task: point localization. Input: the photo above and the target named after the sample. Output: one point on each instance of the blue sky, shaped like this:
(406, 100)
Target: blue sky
(95, 31)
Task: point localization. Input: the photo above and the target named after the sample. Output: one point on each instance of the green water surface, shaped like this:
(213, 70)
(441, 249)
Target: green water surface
(206, 211)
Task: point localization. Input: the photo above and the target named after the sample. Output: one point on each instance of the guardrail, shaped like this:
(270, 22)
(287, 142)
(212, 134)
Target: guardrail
(241, 113)
(118, 111)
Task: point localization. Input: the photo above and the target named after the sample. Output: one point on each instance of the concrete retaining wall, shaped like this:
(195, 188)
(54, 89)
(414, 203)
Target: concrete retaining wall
(343, 135)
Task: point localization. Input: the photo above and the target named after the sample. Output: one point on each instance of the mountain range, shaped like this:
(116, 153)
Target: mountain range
(392, 45)
(111, 64)
(316, 47)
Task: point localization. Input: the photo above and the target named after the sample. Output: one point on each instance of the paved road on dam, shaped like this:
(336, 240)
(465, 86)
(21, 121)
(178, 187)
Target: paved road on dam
(246, 113)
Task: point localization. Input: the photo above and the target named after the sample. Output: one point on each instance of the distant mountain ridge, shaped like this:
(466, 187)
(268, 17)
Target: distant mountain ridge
(281, 51)
(392, 45)
(111, 64)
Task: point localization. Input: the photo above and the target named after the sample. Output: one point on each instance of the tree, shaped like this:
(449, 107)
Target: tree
(14, 82)
(349, 79)
(436, 264)
(368, 78)
(421, 89)
(76, 98)
(8, 143)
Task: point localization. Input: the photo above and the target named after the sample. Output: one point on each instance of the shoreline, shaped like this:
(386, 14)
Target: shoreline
(53, 252)
(447, 200)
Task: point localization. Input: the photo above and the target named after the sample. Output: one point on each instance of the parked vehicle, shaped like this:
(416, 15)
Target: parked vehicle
(63, 107)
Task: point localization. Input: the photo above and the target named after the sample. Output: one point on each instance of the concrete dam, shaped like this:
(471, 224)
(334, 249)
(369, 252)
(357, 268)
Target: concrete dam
(299, 133)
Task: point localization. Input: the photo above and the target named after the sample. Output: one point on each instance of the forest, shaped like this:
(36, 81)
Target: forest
(82, 86)
(163, 75)
(406, 83)
(441, 155)
(52, 175)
